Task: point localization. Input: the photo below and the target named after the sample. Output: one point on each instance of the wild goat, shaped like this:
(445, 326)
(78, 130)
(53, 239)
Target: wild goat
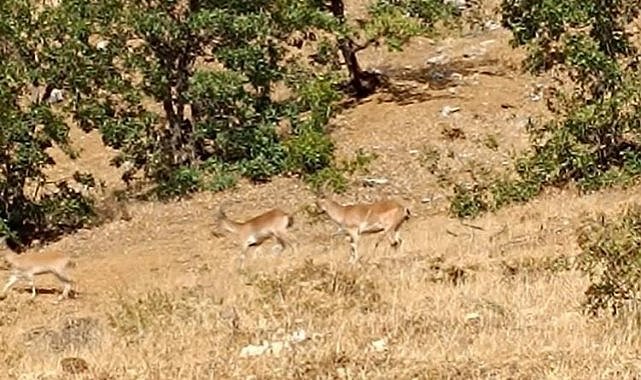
(30, 264)
(273, 223)
(358, 219)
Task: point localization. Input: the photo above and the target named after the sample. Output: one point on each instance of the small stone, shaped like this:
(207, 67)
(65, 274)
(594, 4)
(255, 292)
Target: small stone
(439, 59)
(447, 110)
(491, 25)
(375, 181)
(56, 96)
(298, 336)
(253, 350)
(472, 317)
(379, 345)
(102, 45)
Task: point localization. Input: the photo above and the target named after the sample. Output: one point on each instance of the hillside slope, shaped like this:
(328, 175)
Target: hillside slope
(159, 297)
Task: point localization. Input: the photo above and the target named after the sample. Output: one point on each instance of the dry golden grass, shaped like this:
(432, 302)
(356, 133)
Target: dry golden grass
(159, 296)
(163, 301)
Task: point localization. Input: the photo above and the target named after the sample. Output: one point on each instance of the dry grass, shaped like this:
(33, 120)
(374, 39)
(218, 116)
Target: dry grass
(159, 296)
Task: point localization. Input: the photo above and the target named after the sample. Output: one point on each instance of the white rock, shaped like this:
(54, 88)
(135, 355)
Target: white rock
(56, 95)
(379, 345)
(102, 45)
(472, 316)
(447, 110)
(254, 350)
(298, 336)
(491, 25)
(441, 58)
(375, 181)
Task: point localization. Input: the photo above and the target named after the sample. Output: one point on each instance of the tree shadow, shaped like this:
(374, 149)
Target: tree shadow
(440, 76)
(49, 291)
(400, 83)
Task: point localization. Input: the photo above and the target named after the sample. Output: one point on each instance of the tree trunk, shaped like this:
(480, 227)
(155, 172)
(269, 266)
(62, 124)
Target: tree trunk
(363, 82)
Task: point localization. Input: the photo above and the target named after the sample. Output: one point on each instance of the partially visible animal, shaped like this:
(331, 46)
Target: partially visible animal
(30, 264)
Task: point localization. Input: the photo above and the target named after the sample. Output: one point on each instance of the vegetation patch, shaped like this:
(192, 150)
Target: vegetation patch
(318, 289)
(135, 318)
(611, 257)
(593, 140)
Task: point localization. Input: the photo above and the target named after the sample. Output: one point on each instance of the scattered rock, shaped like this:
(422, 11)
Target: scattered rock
(74, 365)
(431, 199)
(491, 25)
(447, 110)
(457, 77)
(460, 4)
(470, 317)
(522, 122)
(537, 94)
(375, 181)
(102, 45)
(276, 347)
(379, 345)
(298, 336)
(475, 52)
(56, 95)
(487, 42)
(438, 60)
(254, 350)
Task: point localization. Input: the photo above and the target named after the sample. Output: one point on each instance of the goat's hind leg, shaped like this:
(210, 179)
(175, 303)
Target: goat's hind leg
(67, 281)
(13, 279)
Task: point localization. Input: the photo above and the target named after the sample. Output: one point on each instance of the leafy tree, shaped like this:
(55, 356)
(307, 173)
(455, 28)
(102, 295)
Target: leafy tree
(30, 206)
(186, 91)
(392, 21)
(594, 138)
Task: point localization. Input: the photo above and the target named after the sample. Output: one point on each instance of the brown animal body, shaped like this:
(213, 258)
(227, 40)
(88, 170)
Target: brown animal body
(364, 218)
(30, 264)
(273, 223)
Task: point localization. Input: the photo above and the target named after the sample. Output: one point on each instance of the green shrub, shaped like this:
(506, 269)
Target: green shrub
(611, 257)
(593, 141)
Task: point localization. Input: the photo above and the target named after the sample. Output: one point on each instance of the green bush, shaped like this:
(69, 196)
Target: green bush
(595, 137)
(611, 257)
